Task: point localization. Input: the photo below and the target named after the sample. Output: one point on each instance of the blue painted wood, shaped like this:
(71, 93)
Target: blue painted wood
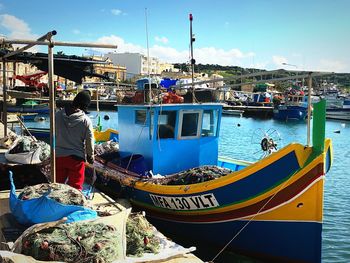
(260, 239)
(168, 155)
(246, 188)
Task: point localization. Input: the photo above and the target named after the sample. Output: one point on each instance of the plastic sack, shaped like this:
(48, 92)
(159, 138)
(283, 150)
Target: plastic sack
(32, 157)
(25, 151)
(45, 209)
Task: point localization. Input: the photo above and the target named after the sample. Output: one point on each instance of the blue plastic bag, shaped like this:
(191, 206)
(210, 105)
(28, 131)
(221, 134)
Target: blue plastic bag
(45, 209)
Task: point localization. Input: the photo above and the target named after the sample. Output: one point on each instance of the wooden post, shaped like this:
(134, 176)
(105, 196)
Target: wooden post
(4, 92)
(52, 104)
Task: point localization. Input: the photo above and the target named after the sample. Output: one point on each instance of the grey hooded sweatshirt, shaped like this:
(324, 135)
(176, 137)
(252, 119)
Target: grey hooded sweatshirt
(74, 135)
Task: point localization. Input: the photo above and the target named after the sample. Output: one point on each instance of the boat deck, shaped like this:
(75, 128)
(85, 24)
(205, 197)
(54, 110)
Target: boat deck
(10, 230)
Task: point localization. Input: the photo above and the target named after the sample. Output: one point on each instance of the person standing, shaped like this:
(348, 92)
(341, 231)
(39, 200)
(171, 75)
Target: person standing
(74, 141)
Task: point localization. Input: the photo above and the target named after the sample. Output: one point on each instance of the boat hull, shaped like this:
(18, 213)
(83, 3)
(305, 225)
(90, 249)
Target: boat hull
(275, 207)
(265, 240)
(338, 114)
(39, 110)
(290, 113)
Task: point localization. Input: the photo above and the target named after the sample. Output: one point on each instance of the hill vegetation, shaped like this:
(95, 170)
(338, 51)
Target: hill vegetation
(342, 79)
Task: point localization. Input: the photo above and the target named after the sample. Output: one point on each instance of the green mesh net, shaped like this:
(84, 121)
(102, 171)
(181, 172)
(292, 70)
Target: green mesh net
(62, 193)
(76, 242)
(140, 236)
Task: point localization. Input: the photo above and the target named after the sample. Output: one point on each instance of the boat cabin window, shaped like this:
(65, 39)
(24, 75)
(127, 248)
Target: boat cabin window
(140, 117)
(189, 124)
(166, 124)
(210, 123)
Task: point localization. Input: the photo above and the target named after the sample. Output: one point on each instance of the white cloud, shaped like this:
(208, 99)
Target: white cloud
(76, 31)
(17, 28)
(164, 40)
(206, 55)
(169, 54)
(116, 12)
(279, 60)
(259, 65)
(331, 66)
(122, 45)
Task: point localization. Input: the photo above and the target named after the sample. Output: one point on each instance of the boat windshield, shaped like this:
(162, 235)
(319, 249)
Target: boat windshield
(210, 123)
(166, 124)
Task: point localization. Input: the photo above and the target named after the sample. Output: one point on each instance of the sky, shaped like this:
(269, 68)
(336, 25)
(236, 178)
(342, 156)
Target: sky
(264, 34)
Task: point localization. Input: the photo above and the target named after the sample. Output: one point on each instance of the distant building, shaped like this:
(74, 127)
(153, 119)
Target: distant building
(137, 64)
(167, 67)
(107, 68)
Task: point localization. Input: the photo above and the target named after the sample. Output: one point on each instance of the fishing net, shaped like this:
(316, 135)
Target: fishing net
(62, 193)
(106, 147)
(140, 236)
(26, 144)
(198, 175)
(81, 242)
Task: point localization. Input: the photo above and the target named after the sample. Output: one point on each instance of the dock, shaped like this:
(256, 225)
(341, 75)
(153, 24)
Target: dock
(10, 230)
(252, 111)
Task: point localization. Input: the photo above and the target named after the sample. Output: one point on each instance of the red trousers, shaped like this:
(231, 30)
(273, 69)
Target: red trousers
(68, 167)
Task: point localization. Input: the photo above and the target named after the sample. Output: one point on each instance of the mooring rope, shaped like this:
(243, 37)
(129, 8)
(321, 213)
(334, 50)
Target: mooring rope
(251, 219)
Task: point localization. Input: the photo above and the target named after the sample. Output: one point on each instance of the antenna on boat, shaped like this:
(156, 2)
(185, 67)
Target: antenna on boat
(148, 62)
(193, 61)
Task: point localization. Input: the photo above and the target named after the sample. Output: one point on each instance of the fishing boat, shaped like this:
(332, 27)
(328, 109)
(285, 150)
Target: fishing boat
(294, 108)
(338, 114)
(106, 135)
(27, 116)
(31, 107)
(233, 112)
(271, 209)
(341, 112)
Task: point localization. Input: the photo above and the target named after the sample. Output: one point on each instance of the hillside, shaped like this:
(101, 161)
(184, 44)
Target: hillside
(342, 79)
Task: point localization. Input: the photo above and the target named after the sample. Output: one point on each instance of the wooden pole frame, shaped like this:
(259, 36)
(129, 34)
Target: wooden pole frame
(50, 43)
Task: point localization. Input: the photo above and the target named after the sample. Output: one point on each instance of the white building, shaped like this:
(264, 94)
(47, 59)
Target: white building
(135, 63)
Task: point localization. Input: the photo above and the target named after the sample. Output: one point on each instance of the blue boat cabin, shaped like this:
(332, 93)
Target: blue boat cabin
(170, 137)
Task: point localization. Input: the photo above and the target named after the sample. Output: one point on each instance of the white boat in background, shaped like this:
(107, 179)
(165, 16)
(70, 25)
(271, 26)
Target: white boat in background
(233, 112)
(338, 114)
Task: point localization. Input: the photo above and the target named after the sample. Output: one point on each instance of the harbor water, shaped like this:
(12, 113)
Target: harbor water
(240, 139)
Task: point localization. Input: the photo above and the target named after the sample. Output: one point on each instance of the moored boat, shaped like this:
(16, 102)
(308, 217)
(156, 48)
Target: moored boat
(271, 209)
(294, 108)
(42, 108)
(338, 114)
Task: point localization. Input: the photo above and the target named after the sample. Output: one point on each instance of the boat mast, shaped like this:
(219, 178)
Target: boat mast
(148, 62)
(193, 61)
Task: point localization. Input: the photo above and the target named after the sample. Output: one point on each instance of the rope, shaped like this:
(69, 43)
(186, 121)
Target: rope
(137, 142)
(251, 219)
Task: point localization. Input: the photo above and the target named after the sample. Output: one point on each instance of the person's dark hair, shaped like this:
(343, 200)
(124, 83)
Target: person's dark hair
(82, 100)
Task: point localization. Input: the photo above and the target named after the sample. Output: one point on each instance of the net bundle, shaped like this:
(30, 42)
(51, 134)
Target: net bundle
(62, 193)
(81, 242)
(140, 237)
(106, 147)
(199, 175)
(26, 144)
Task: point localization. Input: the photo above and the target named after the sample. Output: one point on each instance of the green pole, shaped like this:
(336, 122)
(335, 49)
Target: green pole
(319, 126)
